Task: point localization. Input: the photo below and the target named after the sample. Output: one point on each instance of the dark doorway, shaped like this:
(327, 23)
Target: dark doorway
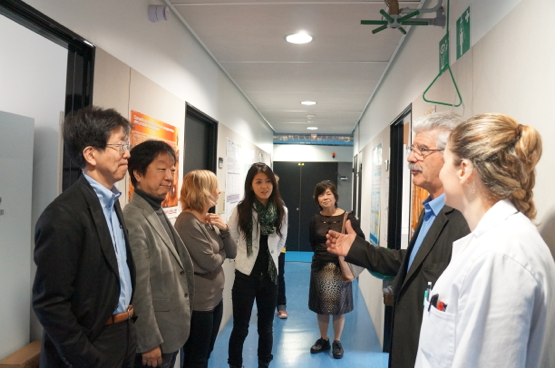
(296, 185)
(80, 65)
(201, 137)
(394, 224)
(356, 194)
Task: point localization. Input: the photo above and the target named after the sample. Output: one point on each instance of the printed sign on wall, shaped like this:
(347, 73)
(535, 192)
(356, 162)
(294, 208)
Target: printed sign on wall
(444, 53)
(463, 33)
(144, 128)
(376, 194)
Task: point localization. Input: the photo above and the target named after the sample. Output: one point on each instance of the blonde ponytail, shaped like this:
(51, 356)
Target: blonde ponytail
(505, 155)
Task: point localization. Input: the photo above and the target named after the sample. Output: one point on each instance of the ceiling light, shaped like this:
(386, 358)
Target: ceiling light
(308, 103)
(312, 128)
(299, 38)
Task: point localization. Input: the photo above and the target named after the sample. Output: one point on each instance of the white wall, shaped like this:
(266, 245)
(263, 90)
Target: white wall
(303, 152)
(35, 87)
(164, 52)
(509, 69)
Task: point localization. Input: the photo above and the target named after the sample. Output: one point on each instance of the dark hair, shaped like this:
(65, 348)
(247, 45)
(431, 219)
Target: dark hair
(244, 208)
(321, 187)
(90, 126)
(143, 154)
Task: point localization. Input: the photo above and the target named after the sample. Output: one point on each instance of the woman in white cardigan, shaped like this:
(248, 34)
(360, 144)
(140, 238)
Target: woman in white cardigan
(494, 304)
(259, 225)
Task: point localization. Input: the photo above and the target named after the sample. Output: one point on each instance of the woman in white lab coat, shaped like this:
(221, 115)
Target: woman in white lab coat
(494, 304)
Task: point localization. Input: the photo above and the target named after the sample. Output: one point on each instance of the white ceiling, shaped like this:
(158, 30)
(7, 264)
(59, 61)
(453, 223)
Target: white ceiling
(339, 69)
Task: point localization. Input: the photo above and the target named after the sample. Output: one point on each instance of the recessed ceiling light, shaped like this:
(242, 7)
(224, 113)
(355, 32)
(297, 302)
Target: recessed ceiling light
(299, 38)
(312, 128)
(308, 103)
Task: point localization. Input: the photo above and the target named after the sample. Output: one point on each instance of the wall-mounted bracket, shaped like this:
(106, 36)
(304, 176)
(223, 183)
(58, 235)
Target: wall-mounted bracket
(396, 19)
(443, 69)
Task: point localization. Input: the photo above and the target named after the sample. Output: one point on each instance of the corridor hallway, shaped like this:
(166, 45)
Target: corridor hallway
(294, 336)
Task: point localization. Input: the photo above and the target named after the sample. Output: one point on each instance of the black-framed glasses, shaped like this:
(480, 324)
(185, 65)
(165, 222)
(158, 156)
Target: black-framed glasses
(123, 146)
(421, 151)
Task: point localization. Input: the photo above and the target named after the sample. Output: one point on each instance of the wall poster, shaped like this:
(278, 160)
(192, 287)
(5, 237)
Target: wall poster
(145, 128)
(375, 196)
(233, 179)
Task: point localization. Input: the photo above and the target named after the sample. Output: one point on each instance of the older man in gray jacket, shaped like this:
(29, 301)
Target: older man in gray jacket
(163, 297)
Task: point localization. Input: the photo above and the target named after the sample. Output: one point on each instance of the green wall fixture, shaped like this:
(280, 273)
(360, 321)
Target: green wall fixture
(444, 66)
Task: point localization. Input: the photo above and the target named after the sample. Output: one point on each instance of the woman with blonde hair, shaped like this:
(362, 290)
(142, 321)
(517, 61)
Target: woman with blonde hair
(493, 305)
(209, 243)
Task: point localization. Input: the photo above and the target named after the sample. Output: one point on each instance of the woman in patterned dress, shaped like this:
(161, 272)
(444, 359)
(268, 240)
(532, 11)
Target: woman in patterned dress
(328, 294)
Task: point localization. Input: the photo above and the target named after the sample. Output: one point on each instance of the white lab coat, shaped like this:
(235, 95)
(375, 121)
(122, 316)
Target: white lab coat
(499, 290)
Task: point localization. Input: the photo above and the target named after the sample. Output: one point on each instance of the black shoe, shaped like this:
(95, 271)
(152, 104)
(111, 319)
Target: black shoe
(320, 345)
(337, 349)
(263, 364)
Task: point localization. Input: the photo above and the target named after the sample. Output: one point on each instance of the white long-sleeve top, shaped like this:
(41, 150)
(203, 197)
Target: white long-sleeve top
(499, 290)
(243, 263)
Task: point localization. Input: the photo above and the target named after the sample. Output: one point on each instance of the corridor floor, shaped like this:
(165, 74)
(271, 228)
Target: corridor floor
(294, 336)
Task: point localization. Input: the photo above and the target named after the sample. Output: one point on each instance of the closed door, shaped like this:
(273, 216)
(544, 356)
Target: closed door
(201, 133)
(16, 230)
(296, 185)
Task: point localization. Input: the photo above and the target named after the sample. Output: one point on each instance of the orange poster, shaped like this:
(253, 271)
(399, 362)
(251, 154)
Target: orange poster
(145, 128)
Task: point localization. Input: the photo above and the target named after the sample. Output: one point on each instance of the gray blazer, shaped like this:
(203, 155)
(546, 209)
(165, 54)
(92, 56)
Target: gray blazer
(164, 290)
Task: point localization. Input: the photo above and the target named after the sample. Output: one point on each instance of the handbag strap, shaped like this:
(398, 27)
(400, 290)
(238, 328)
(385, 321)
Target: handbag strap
(345, 214)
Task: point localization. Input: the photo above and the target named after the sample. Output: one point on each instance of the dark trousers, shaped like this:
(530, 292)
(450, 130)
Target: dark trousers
(281, 298)
(205, 326)
(247, 289)
(117, 345)
(168, 360)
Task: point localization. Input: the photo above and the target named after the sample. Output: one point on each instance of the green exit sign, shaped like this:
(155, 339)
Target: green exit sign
(463, 33)
(444, 53)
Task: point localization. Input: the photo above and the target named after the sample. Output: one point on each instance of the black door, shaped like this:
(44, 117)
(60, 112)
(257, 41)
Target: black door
(296, 185)
(290, 188)
(201, 132)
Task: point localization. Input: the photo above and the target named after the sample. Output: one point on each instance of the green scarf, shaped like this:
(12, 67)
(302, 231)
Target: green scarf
(267, 216)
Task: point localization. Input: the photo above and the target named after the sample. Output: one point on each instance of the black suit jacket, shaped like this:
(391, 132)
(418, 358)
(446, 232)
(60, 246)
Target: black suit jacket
(409, 285)
(76, 287)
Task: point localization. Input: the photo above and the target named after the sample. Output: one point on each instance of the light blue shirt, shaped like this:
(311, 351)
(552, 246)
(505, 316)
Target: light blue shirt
(431, 208)
(107, 200)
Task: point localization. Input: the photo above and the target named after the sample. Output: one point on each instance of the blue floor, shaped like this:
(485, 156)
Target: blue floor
(294, 336)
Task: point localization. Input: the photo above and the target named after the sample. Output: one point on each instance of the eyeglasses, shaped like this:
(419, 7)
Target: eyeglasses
(123, 146)
(420, 151)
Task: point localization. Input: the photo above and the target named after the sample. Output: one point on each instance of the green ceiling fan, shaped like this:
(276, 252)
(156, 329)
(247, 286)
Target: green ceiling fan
(397, 18)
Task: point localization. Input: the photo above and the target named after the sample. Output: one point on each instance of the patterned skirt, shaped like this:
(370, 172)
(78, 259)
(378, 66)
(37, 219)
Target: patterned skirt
(328, 294)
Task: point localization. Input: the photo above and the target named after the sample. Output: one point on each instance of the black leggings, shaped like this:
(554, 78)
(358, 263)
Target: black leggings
(247, 289)
(205, 326)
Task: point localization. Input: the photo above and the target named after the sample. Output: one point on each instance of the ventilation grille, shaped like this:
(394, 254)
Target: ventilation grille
(314, 139)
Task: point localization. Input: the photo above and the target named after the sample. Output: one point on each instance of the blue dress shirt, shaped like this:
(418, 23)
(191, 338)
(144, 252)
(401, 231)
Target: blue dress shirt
(431, 209)
(107, 200)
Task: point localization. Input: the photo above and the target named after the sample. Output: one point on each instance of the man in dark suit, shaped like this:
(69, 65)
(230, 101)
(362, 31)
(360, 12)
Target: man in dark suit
(429, 250)
(165, 275)
(85, 272)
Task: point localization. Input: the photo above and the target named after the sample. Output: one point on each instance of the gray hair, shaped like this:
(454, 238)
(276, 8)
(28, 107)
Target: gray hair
(443, 122)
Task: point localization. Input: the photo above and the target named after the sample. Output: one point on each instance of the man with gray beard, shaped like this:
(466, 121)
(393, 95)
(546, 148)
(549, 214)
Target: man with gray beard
(429, 250)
